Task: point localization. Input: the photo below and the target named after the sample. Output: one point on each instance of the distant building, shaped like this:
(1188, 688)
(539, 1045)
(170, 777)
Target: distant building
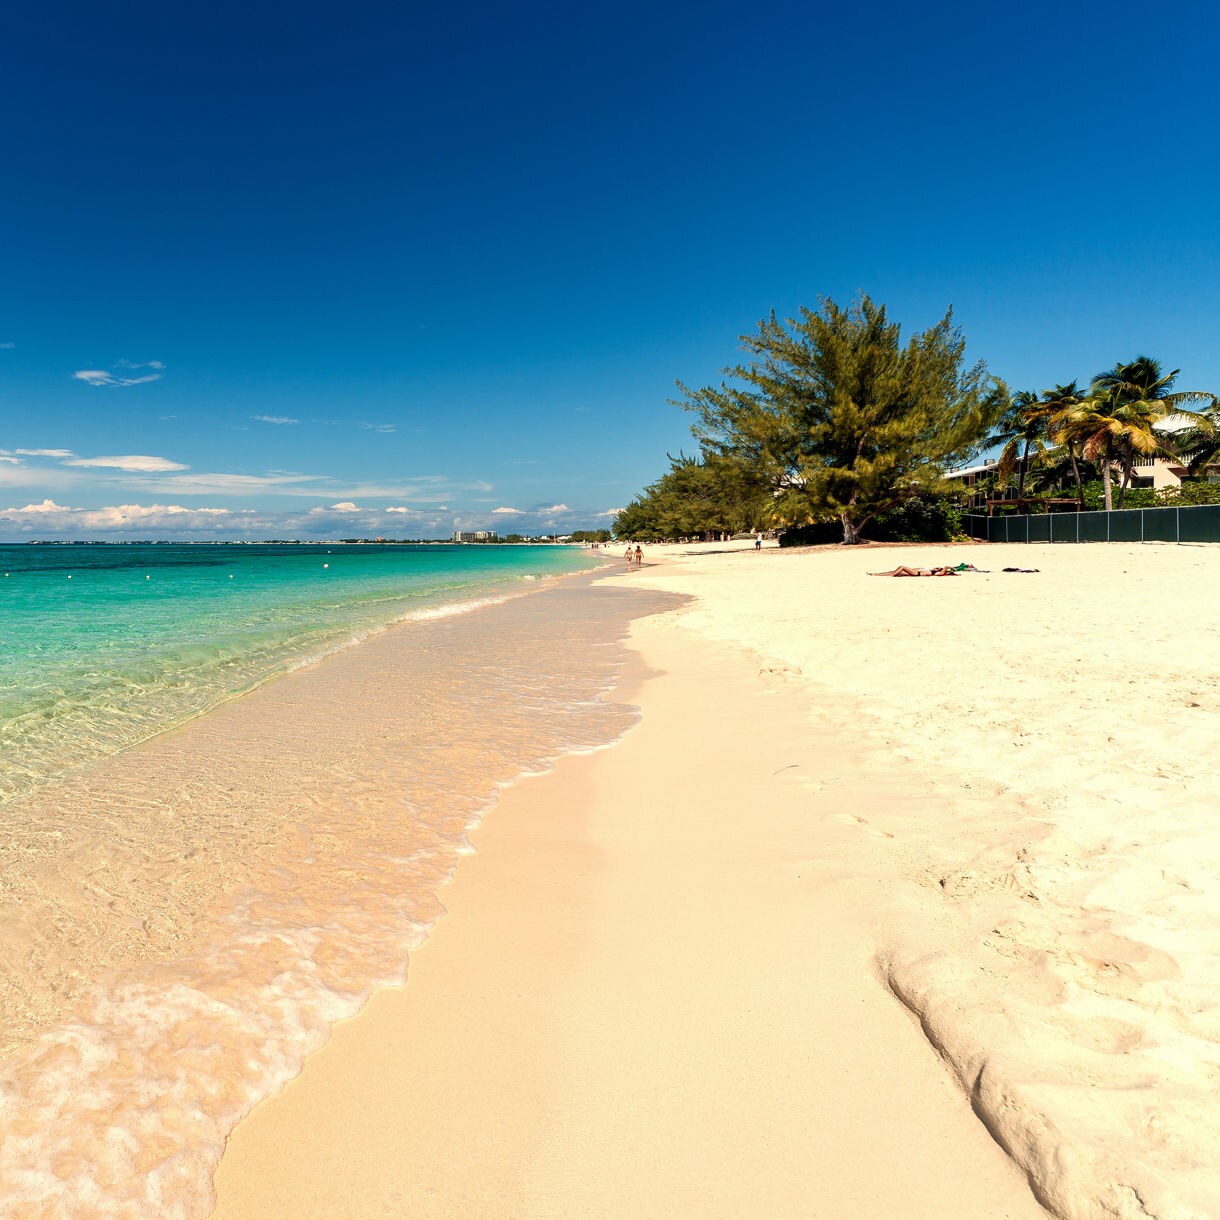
(475, 536)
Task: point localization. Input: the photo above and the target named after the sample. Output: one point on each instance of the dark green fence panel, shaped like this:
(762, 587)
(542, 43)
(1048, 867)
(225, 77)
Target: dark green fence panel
(1160, 524)
(1198, 523)
(1064, 527)
(1126, 526)
(1201, 523)
(1093, 527)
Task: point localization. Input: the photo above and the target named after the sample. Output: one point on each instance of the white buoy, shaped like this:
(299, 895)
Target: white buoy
(326, 565)
(69, 575)
(148, 578)
(230, 575)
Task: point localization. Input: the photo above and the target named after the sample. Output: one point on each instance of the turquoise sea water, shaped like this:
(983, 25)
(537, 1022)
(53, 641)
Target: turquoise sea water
(103, 646)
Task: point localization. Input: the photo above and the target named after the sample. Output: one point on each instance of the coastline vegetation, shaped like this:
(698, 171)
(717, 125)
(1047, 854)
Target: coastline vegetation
(834, 428)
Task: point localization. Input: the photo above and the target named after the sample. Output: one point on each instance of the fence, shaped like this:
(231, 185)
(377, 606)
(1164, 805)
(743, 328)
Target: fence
(1195, 523)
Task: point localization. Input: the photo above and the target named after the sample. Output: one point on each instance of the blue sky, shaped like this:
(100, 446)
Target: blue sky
(275, 270)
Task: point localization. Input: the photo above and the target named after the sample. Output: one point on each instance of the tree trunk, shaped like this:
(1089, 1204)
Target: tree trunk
(1021, 476)
(1079, 481)
(851, 531)
(1106, 484)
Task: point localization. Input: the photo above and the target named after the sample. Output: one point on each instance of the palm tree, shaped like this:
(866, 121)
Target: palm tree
(1020, 428)
(1096, 433)
(1059, 402)
(1135, 398)
(1198, 444)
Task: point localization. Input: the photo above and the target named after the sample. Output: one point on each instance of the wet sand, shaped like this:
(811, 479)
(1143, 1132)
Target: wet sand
(182, 925)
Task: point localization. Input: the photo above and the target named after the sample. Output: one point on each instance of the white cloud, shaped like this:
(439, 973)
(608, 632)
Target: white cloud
(47, 506)
(610, 512)
(7, 346)
(49, 516)
(52, 453)
(379, 427)
(553, 508)
(514, 511)
(275, 419)
(4, 457)
(344, 508)
(138, 462)
(100, 377)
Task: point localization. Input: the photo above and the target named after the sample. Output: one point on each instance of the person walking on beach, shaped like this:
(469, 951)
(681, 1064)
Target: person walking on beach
(758, 543)
(639, 556)
(629, 556)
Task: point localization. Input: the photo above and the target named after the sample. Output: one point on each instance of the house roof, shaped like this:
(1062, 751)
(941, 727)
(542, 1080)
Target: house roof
(968, 470)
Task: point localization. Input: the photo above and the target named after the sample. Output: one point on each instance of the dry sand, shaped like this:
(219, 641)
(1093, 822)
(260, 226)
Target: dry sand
(657, 992)
(654, 995)
(1059, 933)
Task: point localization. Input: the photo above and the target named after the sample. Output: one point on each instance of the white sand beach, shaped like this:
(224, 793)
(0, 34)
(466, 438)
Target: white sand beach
(652, 996)
(1056, 929)
(667, 983)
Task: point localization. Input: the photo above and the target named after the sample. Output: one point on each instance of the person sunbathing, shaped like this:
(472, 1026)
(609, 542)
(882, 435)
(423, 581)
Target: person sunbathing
(903, 570)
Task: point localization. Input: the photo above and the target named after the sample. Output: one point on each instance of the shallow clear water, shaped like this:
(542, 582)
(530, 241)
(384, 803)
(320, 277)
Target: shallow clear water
(182, 921)
(103, 646)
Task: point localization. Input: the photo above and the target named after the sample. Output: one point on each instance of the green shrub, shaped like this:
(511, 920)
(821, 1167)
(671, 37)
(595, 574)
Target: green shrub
(925, 517)
(1196, 491)
(1136, 497)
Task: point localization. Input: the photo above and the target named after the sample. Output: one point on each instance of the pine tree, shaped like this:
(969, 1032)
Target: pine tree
(840, 418)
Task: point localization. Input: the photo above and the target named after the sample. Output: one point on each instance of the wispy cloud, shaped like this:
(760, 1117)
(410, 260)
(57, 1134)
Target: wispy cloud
(136, 462)
(102, 377)
(514, 511)
(423, 490)
(379, 427)
(41, 479)
(7, 347)
(551, 508)
(217, 483)
(275, 419)
(52, 470)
